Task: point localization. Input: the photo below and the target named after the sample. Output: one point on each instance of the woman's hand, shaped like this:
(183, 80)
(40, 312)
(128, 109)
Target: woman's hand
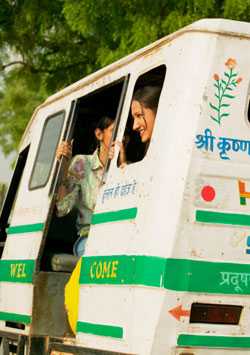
(64, 149)
(111, 151)
(122, 154)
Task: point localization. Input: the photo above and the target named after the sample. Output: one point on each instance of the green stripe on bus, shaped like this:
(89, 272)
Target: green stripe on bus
(221, 277)
(172, 274)
(17, 271)
(123, 269)
(114, 216)
(100, 329)
(14, 317)
(223, 218)
(213, 341)
(25, 228)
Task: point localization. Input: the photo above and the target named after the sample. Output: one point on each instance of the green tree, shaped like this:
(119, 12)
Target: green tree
(46, 45)
(3, 189)
(40, 54)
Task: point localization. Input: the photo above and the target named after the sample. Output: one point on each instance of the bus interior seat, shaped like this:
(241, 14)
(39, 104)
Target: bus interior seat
(58, 250)
(64, 262)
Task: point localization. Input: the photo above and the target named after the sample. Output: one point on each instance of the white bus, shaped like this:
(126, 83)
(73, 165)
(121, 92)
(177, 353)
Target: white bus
(166, 269)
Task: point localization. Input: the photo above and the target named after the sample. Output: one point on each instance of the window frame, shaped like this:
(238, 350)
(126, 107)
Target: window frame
(125, 79)
(50, 117)
(136, 77)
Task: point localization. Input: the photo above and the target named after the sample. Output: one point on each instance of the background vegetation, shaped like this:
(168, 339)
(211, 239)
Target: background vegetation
(3, 189)
(46, 45)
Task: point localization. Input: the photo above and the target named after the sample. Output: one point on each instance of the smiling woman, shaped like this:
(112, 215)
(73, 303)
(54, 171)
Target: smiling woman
(141, 121)
(143, 109)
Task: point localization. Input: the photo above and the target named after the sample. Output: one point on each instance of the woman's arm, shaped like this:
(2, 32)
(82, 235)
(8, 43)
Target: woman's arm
(64, 150)
(122, 154)
(68, 191)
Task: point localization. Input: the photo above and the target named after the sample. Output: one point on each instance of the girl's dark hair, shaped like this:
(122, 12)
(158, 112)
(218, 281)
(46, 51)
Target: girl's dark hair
(148, 96)
(104, 122)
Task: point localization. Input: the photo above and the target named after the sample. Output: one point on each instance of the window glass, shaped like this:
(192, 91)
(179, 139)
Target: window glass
(142, 115)
(46, 151)
(248, 111)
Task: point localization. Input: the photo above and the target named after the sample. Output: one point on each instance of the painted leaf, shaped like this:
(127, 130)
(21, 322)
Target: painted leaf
(215, 119)
(213, 107)
(225, 88)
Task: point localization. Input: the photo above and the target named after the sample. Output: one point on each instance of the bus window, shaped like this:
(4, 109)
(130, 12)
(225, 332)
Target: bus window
(11, 196)
(46, 151)
(248, 110)
(66, 228)
(140, 123)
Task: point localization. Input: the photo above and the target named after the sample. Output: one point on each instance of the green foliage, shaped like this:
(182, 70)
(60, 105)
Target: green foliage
(237, 9)
(46, 45)
(3, 188)
(22, 92)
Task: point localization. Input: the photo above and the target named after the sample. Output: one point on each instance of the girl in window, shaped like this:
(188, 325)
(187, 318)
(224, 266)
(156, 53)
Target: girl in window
(83, 178)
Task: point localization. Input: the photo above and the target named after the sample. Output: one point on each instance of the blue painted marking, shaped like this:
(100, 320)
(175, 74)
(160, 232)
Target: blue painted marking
(248, 241)
(248, 251)
(209, 142)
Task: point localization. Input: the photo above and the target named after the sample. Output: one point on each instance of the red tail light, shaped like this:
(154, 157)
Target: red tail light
(215, 313)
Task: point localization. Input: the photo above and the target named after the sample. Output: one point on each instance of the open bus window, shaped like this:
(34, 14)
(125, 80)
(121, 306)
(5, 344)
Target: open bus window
(64, 231)
(143, 110)
(46, 151)
(248, 110)
(11, 195)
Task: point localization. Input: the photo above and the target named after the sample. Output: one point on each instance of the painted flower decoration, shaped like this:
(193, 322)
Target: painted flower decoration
(230, 63)
(224, 85)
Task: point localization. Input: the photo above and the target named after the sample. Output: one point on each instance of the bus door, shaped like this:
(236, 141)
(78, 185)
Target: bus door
(116, 235)
(56, 259)
(27, 217)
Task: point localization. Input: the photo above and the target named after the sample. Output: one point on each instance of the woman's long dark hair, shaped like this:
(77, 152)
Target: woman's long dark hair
(104, 122)
(148, 96)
